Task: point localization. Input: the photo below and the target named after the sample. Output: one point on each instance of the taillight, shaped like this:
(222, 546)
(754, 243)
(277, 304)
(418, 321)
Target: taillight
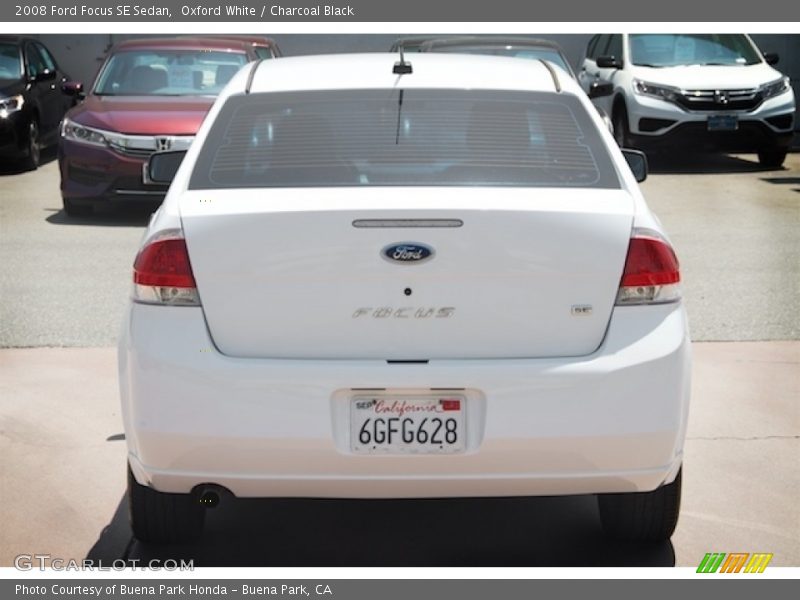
(162, 273)
(652, 274)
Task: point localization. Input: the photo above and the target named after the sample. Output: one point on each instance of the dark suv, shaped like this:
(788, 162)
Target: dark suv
(32, 101)
(150, 95)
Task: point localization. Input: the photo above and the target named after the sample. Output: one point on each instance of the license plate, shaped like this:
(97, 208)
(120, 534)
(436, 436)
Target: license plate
(407, 425)
(723, 123)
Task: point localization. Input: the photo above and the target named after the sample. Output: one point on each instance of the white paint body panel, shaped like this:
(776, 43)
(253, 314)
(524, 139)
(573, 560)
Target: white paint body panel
(610, 422)
(511, 274)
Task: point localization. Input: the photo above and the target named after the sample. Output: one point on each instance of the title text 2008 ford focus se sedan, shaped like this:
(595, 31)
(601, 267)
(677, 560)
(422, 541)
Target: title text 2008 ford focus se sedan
(380, 279)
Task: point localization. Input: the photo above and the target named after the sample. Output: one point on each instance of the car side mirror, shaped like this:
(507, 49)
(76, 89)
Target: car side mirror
(46, 75)
(72, 88)
(637, 161)
(771, 58)
(162, 166)
(609, 62)
(600, 88)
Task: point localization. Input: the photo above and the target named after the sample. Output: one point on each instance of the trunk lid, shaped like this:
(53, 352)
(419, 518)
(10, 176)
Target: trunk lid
(284, 273)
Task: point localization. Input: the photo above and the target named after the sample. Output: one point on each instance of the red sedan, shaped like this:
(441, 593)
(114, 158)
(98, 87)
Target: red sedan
(150, 95)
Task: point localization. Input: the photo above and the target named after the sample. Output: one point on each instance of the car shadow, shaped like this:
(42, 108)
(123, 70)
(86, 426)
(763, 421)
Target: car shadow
(683, 163)
(119, 215)
(481, 532)
(784, 181)
(14, 167)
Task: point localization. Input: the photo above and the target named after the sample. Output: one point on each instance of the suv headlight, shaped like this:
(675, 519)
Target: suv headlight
(662, 92)
(84, 135)
(775, 88)
(11, 105)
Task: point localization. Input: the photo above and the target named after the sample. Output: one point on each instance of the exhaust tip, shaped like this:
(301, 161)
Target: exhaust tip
(209, 495)
(209, 499)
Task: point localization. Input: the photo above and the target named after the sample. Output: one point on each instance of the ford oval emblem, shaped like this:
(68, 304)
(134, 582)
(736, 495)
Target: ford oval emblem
(407, 253)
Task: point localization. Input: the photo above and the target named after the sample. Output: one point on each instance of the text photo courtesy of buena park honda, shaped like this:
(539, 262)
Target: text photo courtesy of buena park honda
(400, 300)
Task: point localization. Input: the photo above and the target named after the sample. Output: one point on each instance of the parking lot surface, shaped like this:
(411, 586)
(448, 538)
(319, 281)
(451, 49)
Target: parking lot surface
(63, 287)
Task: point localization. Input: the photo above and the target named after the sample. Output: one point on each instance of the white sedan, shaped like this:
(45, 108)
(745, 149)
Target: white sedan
(374, 278)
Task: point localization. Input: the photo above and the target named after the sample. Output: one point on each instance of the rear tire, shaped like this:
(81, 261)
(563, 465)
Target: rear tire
(76, 210)
(163, 518)
(642, 516)
(772, 158)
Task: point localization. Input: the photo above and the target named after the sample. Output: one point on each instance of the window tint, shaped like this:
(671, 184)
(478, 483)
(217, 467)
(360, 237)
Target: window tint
(10, 64)
(614, 46)
(262, 52)
(35, 61)
(591, 46)
(403, 138)
(600, 46)
(47, 58)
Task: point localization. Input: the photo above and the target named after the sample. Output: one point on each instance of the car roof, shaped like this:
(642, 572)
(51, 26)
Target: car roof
(195, 43)
(375, 71)
(475, 40)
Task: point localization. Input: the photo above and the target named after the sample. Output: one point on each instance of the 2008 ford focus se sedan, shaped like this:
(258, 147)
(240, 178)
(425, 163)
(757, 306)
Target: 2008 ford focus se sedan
(380, 279)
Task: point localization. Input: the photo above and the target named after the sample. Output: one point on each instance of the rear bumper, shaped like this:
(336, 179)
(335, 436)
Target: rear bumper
(613, 421)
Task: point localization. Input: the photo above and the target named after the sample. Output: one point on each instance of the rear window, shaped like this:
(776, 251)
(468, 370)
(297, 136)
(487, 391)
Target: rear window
(403, 138)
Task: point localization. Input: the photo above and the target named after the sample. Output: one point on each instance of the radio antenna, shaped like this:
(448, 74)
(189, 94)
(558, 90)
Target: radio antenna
(403, 67)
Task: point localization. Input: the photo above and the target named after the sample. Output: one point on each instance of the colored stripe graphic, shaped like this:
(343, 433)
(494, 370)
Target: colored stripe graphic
(711, 562)
(734, 562)
(758, 562)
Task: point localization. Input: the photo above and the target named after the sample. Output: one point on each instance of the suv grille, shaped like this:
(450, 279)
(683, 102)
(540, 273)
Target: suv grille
(713, 100)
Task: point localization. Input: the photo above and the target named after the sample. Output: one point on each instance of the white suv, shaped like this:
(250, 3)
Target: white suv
(697, 91)
(379, 279)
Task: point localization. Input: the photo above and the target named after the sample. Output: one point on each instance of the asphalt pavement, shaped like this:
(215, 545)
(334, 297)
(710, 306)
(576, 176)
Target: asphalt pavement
(63, 287)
